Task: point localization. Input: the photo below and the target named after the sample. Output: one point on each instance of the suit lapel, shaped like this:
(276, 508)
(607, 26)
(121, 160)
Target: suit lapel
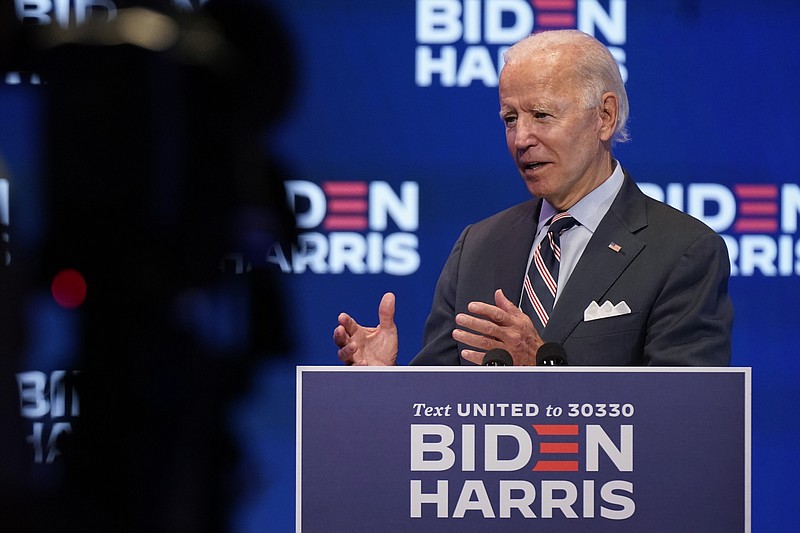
(515, 244)
(600, 266)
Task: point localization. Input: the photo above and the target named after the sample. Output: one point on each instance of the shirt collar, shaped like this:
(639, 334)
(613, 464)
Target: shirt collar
(590, 209)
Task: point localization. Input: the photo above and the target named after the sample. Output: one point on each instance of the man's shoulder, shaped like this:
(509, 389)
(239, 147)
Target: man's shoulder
(522, 213)
(661, 216)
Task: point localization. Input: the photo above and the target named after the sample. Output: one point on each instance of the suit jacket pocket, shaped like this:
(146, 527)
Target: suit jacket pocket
(608, 326)
(609, 341)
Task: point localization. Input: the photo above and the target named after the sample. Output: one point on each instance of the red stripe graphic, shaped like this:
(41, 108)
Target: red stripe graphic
(756, 191)
(556, 466)
(554, 4)
(556, 429)
(558, 447)
(758, 208)
(345, 188)
(753, 225)
(556, 20)
(554, 13)
(347, 206)
(340, 222)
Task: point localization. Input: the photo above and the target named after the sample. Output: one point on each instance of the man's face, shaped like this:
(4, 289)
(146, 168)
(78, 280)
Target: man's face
(561, 148)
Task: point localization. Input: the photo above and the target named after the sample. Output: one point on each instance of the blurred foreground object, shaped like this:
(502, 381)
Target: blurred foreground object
(160, 197)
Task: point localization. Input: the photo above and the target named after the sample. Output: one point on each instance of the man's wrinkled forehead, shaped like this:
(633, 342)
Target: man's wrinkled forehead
(551, 66)
(551, 53)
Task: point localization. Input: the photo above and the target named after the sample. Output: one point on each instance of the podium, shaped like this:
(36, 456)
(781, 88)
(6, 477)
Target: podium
(510, 449)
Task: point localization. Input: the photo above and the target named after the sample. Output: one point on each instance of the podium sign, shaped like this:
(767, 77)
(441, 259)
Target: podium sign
(576, 449)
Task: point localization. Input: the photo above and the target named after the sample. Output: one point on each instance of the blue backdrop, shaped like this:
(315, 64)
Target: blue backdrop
(392, 144)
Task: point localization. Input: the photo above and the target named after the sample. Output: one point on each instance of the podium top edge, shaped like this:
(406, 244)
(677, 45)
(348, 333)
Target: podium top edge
(587, 369)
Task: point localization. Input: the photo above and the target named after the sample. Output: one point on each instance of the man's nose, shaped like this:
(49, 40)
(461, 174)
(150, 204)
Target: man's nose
(525, 135)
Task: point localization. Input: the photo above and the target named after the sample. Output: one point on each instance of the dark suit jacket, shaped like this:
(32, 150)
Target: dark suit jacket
(671, 270)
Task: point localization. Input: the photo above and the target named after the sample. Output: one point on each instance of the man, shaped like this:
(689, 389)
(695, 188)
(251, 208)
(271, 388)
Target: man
(638, 283)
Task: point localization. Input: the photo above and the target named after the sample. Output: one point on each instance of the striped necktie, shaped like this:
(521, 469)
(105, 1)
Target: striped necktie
(541, 281)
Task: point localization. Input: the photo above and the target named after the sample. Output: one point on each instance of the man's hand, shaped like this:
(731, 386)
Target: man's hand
(362, 346)
(503, 325)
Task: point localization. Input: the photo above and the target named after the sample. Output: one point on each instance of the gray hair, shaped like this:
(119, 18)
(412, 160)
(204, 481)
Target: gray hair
(596, 68)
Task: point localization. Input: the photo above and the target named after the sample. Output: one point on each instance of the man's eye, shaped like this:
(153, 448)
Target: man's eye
(509, 119)
(540, 115)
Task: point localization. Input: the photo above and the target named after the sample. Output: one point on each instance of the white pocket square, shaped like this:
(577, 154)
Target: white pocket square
(595, 312)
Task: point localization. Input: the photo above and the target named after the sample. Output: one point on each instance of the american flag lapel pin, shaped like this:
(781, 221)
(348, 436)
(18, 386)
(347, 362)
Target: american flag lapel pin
(614, 246)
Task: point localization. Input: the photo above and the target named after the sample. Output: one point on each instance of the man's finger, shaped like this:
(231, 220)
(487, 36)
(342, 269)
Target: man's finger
(513, 311)
(340, 336)
(346, 321)
(386, 311)
(504, 303)
(479, 325)
(473, 356)
(493, 313)
(477, 341)
(510, 308)
(346, 355)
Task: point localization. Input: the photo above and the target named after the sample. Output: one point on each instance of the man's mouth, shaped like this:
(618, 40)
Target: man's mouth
(534, 165)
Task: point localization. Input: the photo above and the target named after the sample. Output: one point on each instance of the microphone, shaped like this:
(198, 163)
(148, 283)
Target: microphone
(551, 354)
(497, 357)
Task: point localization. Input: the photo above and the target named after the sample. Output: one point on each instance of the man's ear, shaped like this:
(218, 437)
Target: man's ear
(609, 113)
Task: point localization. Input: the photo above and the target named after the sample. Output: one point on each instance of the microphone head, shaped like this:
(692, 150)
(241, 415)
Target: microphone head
(497, 357)
(551, 354)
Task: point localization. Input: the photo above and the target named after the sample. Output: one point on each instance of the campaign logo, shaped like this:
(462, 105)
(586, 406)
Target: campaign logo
(52, 404)
(66, 13)
(71, 13)
(356, 226)
(530, 468)
(433, 449)
(461, 42)
(757, 221)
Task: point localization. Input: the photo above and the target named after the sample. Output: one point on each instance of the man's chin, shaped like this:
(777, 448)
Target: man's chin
(536, 187)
